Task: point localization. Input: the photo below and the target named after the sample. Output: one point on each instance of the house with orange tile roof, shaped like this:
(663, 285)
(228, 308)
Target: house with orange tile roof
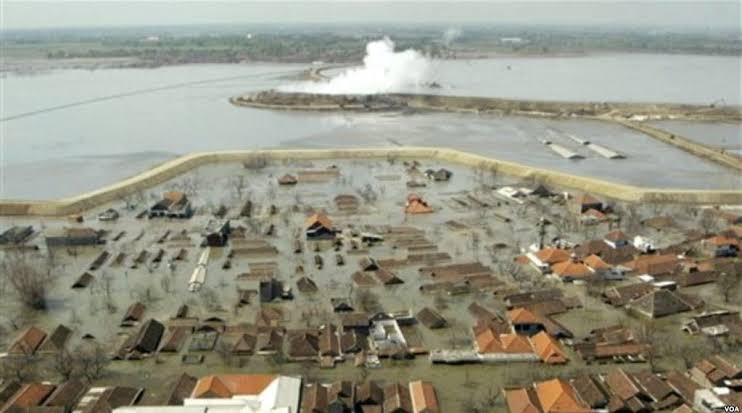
(584, 202)
(416, 205)
(596, 264)
(524, 321)
(616, 239)
(493, 347)
(515, 344)
(558, 396)
(174, 204)
(29, 396)
(261, 393)
(571, 270)
(655, 264)
(424, 398)
(593, 216)
(548, 349)
(522, 400)
(487, 341)
(319, 226)
(28, 342)
(544, 258)
(722, 245)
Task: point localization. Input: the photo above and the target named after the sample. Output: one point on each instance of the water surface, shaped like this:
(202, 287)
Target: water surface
(72, 131)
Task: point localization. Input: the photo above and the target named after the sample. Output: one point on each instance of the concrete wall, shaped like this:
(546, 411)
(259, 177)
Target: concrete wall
(179, 166)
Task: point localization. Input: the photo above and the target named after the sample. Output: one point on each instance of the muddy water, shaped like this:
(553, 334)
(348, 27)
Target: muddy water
(727, 136)
(88, 311)
(84, 129)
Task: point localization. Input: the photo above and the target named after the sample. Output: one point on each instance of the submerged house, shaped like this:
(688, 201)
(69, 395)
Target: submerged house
(287, 180)
(149, 337)
(440, 175)
(416, 205)
(661, 303)
(16, 235)
(616, 239)
(218, 237)
(28, 342)
(273, 289)
(584, 202)
(319, 226)
(525, 321)
(73, 237)
(174, 204)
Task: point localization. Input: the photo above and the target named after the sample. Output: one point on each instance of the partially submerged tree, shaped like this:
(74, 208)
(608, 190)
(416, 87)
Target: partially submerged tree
(709, 222)
(91, 360)
(27, 279)
(367, 300)
(728, 284)
(64, 364)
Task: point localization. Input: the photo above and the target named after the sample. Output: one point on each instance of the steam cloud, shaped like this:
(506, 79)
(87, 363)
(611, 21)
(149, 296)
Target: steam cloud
(383, 71)
(450, 35)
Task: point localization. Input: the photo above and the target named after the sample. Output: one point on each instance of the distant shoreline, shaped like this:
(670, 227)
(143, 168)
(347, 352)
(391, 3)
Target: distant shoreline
(33, 66)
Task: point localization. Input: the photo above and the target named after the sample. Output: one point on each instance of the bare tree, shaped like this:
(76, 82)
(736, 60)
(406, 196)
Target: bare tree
(475, 242)
(368, 193)
(145, 295)
(29, 281)
(728, 285)
(209, 298)
(92, 360)
(224, 351)
(510, 267)
(367, 300)
(256, 162)
(19, 368)
(647, 334)
(107, 285)
(239, 185)
(166, 284)
(64, 364)
(709, 221)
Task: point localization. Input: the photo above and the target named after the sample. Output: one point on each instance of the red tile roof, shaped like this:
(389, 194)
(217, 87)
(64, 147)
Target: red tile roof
(558, 396)
(228, 385)
(572, 269)
(521, 401)
(552, 255)
(423, 397)
(522, 315)
(28, 341)
(548, 349)
(30, 395)
(321, 219)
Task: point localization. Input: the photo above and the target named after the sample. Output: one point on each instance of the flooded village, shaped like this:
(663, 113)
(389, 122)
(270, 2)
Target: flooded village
(394, 284)
(370, 206)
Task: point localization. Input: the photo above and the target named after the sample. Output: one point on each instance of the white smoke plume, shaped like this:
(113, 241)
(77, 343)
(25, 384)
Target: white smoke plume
(450, 36)
(384, 71)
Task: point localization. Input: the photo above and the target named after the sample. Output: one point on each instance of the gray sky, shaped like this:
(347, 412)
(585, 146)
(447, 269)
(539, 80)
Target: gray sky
(693, 14)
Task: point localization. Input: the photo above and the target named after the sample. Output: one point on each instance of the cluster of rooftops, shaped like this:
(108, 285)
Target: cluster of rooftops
(223, 393)
(706, 387)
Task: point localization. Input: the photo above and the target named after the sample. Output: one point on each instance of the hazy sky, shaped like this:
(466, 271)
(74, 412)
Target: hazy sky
(694, 14)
